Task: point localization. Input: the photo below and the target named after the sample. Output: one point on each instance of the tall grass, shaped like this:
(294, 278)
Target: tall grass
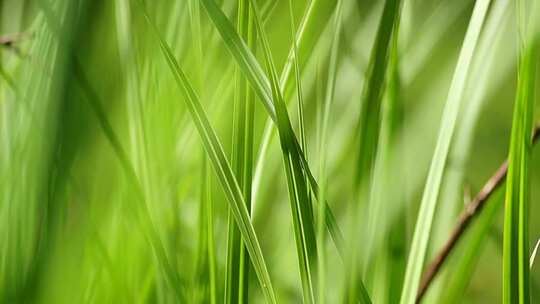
(260, 151)
(433, 183)
(516, 277)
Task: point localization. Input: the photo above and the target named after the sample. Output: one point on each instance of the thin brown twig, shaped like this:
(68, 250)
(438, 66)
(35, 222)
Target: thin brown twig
(471, 211)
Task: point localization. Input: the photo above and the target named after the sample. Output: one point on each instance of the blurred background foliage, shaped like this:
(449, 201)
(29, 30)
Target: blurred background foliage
(101, 166)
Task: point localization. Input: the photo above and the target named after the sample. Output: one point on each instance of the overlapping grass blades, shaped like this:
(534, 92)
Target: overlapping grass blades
(220, 164)
(260, 84)
(431, 190)
(236, 288)
(451, 194)
(309, 31)
(323, 122)
(302, 214)
(516, 285)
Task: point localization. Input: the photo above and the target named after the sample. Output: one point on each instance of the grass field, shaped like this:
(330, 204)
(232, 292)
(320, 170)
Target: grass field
(269, 151)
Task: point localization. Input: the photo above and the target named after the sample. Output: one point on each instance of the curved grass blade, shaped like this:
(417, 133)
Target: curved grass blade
(236, 285)
(516, 285)
(477, 89)
(221, 166)
(431, 191)
(311, 27)
(260, 84)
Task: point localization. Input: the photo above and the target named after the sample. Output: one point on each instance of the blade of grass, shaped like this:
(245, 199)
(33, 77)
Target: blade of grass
(533, 254)
(516, 285)
(451, 193)
(389, 125)
(259, 82)
(220, 164)
(431, 190)
(368, 137)
(236, 289)
(323, 127)
(302, 213)
(206, 269)
(298, 80)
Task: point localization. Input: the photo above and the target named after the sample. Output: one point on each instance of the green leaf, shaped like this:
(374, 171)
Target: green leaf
(431, 191)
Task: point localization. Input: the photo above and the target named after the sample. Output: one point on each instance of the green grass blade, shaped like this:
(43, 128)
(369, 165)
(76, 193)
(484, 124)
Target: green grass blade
(451, 200)
(516, 285)
(260, 84)
(298, 80)
(431, 191)
(236, 289)
(323, 121)
(309, 31)
(302, 213)
(368, 133)
(533, 254)
(221, 166)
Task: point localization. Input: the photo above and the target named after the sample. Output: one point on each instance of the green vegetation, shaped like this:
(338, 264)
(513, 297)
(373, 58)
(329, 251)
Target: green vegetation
(269, 151)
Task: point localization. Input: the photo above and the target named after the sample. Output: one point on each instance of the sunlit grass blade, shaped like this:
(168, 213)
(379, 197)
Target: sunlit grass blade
(516, 281)
(221, 166)
(323, 122)
(298, 80)
(533, 254)
(260, 84)
(236, 288)
(451, 199)
(431, 191)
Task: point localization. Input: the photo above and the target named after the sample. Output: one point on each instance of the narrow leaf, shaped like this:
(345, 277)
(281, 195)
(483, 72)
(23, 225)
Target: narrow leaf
(431, 191)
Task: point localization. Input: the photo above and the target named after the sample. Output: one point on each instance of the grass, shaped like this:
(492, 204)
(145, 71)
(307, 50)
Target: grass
(516, 280)
(237, 261)
(260, 151)
(433, 183)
